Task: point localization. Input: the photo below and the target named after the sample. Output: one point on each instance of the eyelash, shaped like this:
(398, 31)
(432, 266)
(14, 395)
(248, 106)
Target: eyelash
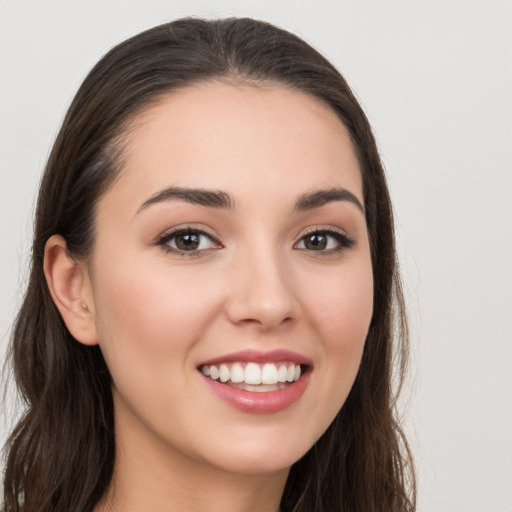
(342, 239)
(164, 240)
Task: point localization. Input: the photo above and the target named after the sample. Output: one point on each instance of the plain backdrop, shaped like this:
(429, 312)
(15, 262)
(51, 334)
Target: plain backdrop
(435, 79)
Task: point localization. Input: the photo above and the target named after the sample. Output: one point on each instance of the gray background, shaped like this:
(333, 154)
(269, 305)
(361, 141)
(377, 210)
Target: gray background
(435, 79)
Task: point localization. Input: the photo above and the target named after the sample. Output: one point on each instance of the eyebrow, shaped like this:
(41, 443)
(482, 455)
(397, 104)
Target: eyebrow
(320, 197)
(199, 196)
(220, 199)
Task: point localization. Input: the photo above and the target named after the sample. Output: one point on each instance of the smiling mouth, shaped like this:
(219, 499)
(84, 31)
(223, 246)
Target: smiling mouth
(255, 377)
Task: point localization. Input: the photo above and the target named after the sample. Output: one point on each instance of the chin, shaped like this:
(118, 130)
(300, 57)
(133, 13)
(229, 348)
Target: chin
(242, 464)
(260, 454)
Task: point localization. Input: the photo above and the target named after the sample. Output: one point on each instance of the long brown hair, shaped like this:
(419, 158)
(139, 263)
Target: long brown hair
(61, 454)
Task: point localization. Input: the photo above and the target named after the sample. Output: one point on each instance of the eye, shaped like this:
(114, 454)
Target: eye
(325, 240)
(188, 241)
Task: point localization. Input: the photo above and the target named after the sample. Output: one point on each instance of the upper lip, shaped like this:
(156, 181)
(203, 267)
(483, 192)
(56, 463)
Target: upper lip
(257, 356)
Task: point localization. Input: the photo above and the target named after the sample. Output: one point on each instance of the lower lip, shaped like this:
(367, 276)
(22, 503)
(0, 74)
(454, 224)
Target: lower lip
(260, 403)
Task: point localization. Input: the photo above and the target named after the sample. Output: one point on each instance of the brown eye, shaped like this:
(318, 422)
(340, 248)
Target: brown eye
(315, 242)
(183, 241)
(187, 241)
(326, 241)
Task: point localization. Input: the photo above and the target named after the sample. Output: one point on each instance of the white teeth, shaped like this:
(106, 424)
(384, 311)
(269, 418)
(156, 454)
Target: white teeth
(262, 388)
(252, 374)
(281, 373)
(269, 374)
(263, 377)
(237, 373)
(214, 372)
(224, 373)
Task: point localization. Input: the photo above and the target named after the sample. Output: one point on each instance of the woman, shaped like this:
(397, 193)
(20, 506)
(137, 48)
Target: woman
(214, 297)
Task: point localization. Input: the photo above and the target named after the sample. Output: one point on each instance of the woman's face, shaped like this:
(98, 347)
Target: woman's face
(232, 244)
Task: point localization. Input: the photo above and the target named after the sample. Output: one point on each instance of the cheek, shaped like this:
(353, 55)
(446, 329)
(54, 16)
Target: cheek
(341, 312)
(149, 318)
(342, 308)
(153, 309)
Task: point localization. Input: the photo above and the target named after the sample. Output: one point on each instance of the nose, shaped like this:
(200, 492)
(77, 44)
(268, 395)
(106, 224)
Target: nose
(261, 292)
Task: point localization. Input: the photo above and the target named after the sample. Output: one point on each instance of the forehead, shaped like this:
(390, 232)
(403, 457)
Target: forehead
(253, 139)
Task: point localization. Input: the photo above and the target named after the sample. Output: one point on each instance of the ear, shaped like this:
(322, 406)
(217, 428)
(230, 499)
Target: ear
(70, 288)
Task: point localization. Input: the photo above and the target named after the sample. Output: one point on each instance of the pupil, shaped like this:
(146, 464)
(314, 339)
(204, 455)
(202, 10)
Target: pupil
(187, 242)
(316, 242)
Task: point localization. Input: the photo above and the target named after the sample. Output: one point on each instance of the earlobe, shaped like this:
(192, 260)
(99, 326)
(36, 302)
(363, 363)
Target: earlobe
(69, 285)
